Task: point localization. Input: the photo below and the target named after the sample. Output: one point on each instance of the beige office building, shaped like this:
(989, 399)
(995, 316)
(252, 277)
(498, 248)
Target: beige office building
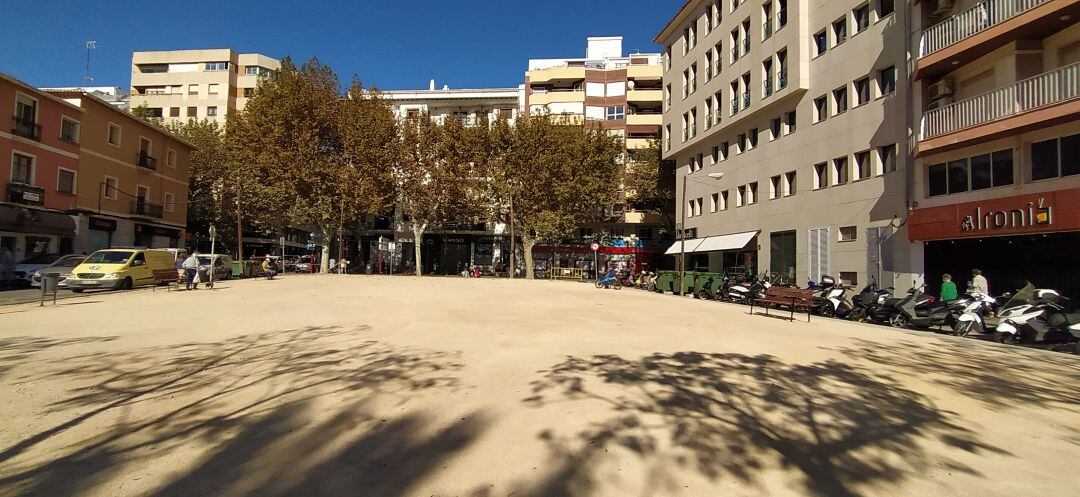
(788, 123)
(196, 84)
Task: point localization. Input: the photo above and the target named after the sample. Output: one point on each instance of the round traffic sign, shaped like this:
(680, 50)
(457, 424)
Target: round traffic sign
(595, 246)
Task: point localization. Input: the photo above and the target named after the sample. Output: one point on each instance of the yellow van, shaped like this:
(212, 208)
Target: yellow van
(122, 269)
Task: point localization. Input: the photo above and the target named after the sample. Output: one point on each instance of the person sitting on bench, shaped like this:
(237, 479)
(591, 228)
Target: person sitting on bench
(269, 268)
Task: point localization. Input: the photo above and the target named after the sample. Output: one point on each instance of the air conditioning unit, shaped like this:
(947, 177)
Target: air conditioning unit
(939, 103)
(944, 8)
(941, 89)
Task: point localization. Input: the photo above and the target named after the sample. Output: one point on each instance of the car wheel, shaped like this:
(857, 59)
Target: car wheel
(126, 284)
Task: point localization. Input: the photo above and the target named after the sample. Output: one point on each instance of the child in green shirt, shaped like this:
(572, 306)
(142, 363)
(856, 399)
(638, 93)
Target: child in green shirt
(948, 288)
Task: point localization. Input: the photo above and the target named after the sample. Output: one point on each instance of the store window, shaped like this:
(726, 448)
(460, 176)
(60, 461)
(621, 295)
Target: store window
(1055, 158)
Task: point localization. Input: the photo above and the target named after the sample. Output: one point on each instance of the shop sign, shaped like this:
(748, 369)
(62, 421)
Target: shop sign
(1035, 213)
(455, 239)
(31, 196)
(97, 223)
(157, 231)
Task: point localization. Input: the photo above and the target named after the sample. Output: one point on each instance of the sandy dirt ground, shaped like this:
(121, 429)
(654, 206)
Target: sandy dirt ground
(378, 386)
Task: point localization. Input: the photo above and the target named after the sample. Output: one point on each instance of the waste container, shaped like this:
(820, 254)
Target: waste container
(49, 283)
(665, 281)
(245, 269)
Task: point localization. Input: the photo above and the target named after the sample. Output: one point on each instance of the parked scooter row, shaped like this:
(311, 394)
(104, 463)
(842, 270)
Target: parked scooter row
(1039, 316)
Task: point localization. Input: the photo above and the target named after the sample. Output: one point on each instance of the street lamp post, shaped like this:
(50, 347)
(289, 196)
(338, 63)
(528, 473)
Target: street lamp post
(682, 229)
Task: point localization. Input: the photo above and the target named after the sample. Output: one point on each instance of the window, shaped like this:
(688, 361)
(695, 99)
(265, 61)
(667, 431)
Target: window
(887, 158)
(212, 88)
(840, 171)
(174, 111)
(192, 112)
(862, 91)
(863, 166)
(667, 137)
(821, 109)
(169, 200)
(724, 200)
(887, 80)
(724, 149)
(885, 7)
(170, 158)
(839, 28)
(862, 17)
(742, 143)
(937, 182)
(693, 122)
(840, 100)
(740, 196)
(821, 176)
(110, 186)
(697, 206)
(693, 34)
(790, 122)
(113, 136)
(65, 181)
(615, 112)
(849, 278)
(751, 193)
(958, 176)
(789, 183)
(693, 77)
(774, 129)
(848, 233)
(767, 25)
(22, 169)
(69, 130)
(211, 111)
(714, 202)
(193, 89)
(820, 43)
(1057, 157)
(667, 96)
(775, 188)
(667, 58)
(781, 14)
(217, 66)
(708, 65)
(1002, 167)
(685, 83)
(715, 156)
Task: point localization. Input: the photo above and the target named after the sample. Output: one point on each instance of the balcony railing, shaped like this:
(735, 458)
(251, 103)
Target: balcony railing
(735, 106)
(781, 19)
(768, 86)
(982, 16)
(685, 134)
(708, 120)
(21, 193)
(718, 112)
(26, 128)
(141, 207)
(766, 29)
(708, 72)
(734, 53)
(781, 79)
(746, 100)
(1030, 94)
(146, 161)
(746, 45)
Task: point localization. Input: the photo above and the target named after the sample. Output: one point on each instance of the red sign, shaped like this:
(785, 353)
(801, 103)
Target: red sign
(1032, 213)
(595, 246)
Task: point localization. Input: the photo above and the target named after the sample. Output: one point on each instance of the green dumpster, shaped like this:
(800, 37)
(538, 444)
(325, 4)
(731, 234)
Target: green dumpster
(666, 281)
(238, 269)
(246, 269)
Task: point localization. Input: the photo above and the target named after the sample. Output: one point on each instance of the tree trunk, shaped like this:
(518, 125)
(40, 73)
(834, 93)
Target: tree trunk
(324, 266)
(418, 237)
(527, 243)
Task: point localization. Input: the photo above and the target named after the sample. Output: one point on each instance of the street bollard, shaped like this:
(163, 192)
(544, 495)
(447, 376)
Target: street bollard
(49, 283)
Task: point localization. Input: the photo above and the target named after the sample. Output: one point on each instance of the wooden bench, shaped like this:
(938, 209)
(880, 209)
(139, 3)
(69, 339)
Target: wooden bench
(170, 277)
(792, 298)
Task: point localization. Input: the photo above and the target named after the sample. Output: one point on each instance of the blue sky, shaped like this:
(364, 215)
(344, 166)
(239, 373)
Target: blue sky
(393, 44)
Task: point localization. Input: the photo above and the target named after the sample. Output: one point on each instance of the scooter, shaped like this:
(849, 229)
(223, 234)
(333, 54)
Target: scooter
(968, 312)
(705, 292)
(1059, 324)
(611, 280)
(831, 301)
(743, 292)
(1027, 304)
(914, 311)
(872, 303)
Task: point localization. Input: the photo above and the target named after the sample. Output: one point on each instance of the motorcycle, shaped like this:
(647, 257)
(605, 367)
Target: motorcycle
(611, 280)
(706, 292)
(873, 304)
(1028, 303)
(830, 300)
(968, 312)
(743, 292)
(919, 310)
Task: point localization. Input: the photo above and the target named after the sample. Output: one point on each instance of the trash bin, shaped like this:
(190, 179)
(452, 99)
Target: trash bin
(666, 281)
(49, 283)
(238, 269)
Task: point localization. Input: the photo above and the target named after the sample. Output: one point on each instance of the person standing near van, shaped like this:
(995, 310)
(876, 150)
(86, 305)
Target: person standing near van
(978, 282)
(191, 269)
(948, 288)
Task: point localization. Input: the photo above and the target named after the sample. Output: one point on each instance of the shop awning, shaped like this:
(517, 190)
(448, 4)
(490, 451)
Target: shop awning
(733, 241)
(675, 248)
(35, 221)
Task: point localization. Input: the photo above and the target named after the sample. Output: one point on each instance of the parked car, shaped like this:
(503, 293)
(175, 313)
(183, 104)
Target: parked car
(24, 270)
(222, 265)
(61, 266)
(122, 269)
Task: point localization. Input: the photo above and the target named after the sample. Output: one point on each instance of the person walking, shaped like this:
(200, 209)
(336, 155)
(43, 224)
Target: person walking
(948, 288)
(191, 270)
(978, 282)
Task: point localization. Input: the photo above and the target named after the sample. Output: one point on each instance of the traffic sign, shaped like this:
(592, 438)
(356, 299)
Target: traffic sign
(595, 246)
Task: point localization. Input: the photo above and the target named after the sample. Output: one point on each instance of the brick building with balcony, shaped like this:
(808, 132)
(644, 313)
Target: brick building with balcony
(39, 145)
(996, 179)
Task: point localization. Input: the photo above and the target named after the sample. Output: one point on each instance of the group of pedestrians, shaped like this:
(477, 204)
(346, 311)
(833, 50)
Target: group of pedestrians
(977, 284)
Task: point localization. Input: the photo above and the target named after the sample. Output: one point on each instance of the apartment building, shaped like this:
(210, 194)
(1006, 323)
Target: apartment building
(451, 248)
(787, 121)
(131, 187)
(41, 150)
(196, 84)
(623, 94)
(996, 177)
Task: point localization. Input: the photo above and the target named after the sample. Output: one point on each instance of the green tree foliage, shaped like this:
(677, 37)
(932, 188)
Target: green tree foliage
(650, 183)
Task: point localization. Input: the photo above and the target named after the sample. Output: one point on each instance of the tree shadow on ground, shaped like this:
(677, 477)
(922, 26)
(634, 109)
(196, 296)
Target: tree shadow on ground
(229, 397)
(21, 349)
(837, 427)
(1001, 377)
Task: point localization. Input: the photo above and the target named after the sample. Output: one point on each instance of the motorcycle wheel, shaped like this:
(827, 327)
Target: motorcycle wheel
(618, 286)
(857, 315)
(599, 285)
(827, 311)
(962, 328)
(898, 321)
(1000, 337)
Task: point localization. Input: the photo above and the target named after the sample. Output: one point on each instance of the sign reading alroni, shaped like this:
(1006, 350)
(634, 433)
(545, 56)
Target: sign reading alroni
(1046, 212)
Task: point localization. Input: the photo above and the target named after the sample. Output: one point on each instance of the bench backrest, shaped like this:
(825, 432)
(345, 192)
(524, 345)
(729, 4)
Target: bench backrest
(799, 294)
(166, 275)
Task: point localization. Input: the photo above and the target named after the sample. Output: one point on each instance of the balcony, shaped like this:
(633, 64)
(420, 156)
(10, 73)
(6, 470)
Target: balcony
(146, 161)
(143, 208)
(979, 18)
(645, 118)
(557, 73)
(1033, 94)
(556, 96)
(21, 193)
(25, 128)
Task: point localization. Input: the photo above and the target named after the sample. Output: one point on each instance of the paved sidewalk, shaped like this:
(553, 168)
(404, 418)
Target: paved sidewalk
(379, 386)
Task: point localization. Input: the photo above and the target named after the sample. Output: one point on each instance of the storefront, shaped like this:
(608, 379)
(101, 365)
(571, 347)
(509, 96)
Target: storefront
(153, 236)
(1033, 237)
(26, 231)
(730, 253)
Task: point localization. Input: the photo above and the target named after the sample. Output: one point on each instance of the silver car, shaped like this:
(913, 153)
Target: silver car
(62, 266)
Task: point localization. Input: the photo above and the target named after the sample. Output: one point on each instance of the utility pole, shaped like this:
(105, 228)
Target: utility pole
(239, 230)
(341, 234)
(513, 244)
(90, 45)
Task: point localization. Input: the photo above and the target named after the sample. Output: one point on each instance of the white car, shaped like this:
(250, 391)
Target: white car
(63, 266)
(25, 269)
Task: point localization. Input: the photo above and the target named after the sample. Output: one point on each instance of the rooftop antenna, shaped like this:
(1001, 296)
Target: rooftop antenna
(90, 45)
